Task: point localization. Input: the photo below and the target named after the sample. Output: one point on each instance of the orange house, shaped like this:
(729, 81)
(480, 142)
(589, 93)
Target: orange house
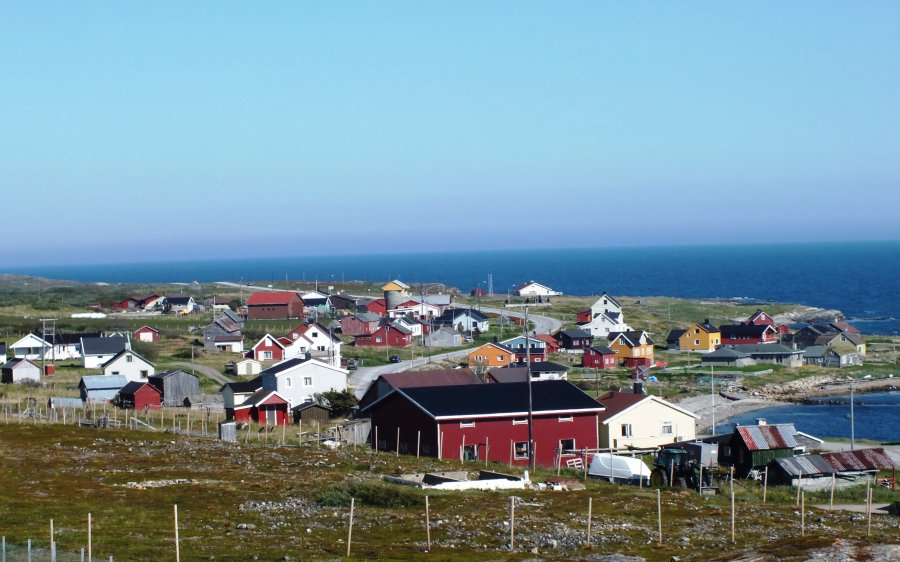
(700, 337)
(490, 355)
(631, 345)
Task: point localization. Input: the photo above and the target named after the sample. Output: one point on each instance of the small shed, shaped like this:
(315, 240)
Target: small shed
(139, 395)
(248, 367)
(265, 407)
(19, 371)
(210, 402)
(310, 413)
(790, 470)
(100, 388)
(146, 334)
(64, 402)
(175, 385)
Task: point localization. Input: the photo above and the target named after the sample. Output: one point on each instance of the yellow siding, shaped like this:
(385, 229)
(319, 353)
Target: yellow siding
(698, 339)
(489, 355)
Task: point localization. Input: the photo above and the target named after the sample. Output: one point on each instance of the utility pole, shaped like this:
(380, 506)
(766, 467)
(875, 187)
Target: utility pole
(525, 330)
(712, 395)
(852, 420)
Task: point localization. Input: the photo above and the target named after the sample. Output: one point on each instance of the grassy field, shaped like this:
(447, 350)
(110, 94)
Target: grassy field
(268, 502)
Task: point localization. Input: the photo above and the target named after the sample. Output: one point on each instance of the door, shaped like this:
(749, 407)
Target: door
(470, 453)
(271, 416)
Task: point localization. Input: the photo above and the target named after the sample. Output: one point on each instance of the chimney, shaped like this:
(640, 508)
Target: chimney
(706, 321)
(761, 421)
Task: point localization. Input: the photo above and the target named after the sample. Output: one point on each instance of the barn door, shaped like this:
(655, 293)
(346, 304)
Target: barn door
(271, 416)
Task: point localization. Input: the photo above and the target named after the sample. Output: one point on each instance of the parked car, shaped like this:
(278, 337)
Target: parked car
(394, 359)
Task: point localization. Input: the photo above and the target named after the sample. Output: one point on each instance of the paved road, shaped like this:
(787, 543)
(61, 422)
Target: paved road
(542, 324)
(206, 371)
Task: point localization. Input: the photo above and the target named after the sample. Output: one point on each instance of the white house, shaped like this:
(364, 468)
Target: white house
(315, 339)
(643, 421)
(444, 336)
(533, 289)
(414, 326)
(180, 304)
(464, 320)
(421, 310)
(247, 367)
(130, 365)
(55, 347)
(97, 351)
(297, 380)
(605, 318)
(20, 370)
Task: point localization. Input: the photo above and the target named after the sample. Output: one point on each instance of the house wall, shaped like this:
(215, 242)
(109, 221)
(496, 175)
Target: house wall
(145, 397)
(95, 361)
(148, 336)
(489, 356)
(646, 427)
(136, 370)
(248, 368)
(293, 309)
(294, 387)
(312, 415)
(267, 350)
(394, 338)
(695, 339)
(353, 326)
(177, 387)
(596, 361)
(22, 372)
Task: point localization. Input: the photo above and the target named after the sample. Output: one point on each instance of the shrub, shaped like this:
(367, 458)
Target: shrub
(370, 494)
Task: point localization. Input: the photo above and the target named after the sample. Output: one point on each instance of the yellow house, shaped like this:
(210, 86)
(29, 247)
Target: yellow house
(631, 345)
(700, 337)
(490, 355)
(643, 421)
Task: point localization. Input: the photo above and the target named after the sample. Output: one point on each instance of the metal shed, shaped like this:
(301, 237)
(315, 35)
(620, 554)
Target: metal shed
(175, 385)
(100, 388)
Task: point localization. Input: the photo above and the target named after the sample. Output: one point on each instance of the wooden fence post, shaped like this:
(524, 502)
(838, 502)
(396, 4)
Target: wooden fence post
(177, 546)
(398, 442)
(590, 512)
(831, 505)
(765, 482)
(427, 526)
(350, 529)
(802, 514)
(659, 515)
(869, 524)
(732, 517)
(52, 543)
(89, 549)
(512, 523)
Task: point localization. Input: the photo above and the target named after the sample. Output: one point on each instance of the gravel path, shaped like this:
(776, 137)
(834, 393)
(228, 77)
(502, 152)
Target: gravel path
(206, 371)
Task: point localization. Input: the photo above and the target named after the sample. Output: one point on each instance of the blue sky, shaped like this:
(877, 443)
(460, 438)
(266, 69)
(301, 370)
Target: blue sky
(138, 131)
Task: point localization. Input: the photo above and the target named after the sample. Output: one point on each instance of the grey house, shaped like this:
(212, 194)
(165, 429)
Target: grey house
(444, 337)
(175, 386)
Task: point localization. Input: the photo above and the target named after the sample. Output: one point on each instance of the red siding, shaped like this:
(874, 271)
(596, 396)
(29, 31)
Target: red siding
(394, 338)
(146, 396)
(598, 361)
(268, 345)
(632, 362)
(500, 434)
(583, 316)
(353, 326)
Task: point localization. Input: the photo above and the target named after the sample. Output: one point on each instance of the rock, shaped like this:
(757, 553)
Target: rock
(246, 526)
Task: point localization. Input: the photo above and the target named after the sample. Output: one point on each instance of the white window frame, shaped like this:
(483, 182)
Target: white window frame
(667, 424)
(467, 423)
(520, 421)
(516, 454)
(627, 430)
(307, 381)
(566, 418)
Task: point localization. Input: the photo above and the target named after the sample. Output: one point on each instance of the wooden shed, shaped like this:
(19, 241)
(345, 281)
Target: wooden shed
(311, 413)
(175, 386)
(139, 395)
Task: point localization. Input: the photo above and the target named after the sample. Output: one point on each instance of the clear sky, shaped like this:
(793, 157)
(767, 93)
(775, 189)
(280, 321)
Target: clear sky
(144, 131)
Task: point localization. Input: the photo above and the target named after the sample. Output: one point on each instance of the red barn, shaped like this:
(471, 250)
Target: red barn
(598, 357)
(376, 306)
(738, 334)
(263, 406)
(140, 396)
(146, 334)
(269, 348)
(274, 305)
(488, 421)
(392, 335)
(360, 324)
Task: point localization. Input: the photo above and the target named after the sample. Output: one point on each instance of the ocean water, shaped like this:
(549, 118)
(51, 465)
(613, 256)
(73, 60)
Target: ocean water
(877, 417)
(859, 278)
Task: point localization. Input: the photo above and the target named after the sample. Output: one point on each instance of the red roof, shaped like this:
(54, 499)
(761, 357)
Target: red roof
(765, 437)
(272, 297)
(862, 459)
(616, 402)
(548, 339)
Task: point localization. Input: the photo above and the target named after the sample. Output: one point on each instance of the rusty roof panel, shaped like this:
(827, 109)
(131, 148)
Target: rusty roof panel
(862, 459)
(765, 437)
(806, 465)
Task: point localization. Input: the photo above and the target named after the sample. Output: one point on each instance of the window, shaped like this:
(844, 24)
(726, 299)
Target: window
(266, 355)
(566, 445)
(626, 430)
(565, 418)
(287, 382)
(307, 381)
(696, 342)
(521, 450)
(467, 423)
(668, 428)
(129, 358)
(479, 358)
(696, 330)
(145, 374)
(501, 358)
(519, 421)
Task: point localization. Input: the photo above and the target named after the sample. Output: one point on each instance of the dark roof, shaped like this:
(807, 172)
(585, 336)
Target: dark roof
(123, 352)
(601, 350)
(616, 402)
(766, 349)
(633, 337)
(674, 335)
(860, 459)
(725, 353)
(309, 404)
(576, 334)
(476, 400)
(805, 465)
(134, 386)
(610, 298)
(283, 366)
(65, 339)
(178, 299)
(244, 386)
(707, 327)
(540, 367)
(103, 346)
(258, 397)
(744, 330)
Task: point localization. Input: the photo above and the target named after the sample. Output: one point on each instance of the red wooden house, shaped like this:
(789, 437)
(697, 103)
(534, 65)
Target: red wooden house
(274, 305)
(360, 324)
(598, 357)
(760, 318)
(552, 346)
(130, 303)
(487, 421)
(146, 334)
(584, 316)
(376, 306)
(263, 406)
(140, 396)
(269, 348)
(392, 335)
(737, 334)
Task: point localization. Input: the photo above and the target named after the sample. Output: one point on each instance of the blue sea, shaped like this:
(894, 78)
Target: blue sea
(877, 416)
(859, 278)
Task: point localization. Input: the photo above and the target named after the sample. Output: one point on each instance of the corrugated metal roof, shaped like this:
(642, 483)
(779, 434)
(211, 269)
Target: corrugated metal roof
(765, 437)
(97, 382)
(862, 459)
(806, 465)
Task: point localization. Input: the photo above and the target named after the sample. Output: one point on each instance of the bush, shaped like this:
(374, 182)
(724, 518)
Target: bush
(370, 494)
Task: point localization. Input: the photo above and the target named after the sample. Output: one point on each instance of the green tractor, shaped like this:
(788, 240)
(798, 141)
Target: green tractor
(675, 467)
